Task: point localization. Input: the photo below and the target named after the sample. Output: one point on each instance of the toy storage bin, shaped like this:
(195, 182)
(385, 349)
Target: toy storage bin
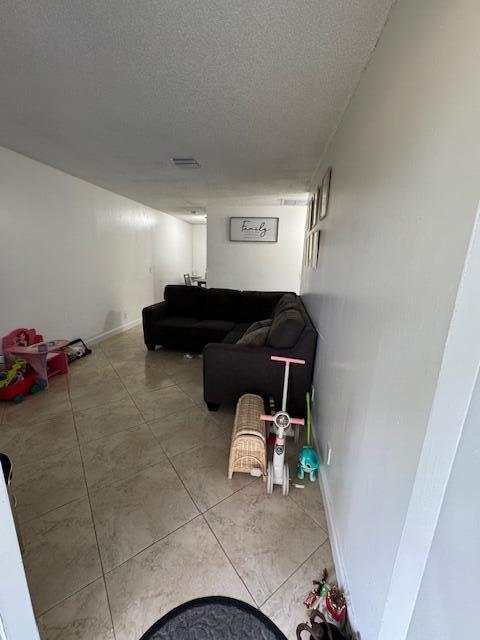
(248, 448)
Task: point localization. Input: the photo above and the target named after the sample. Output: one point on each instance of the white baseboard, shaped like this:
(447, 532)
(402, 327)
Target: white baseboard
(341, 573)
(113, 332)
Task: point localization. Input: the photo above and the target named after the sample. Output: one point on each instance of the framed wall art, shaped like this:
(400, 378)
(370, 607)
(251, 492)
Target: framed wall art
(315, 249)
(309, 214)
(253, 229)
(324, 190)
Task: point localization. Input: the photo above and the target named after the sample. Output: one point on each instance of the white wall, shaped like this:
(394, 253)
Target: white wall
(404, 194)
(257, 266)
(448, 597)
(172, 253)
(199, 259)
(77, 260)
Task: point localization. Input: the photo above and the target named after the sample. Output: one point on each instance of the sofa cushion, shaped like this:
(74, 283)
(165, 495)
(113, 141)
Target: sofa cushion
(259, 325)
(257, 304)
(255, 338)
(221, 304)
(211, 330)
(236, 333)
(176, 325)
(184, 301)
(287, 301)
(286, 329)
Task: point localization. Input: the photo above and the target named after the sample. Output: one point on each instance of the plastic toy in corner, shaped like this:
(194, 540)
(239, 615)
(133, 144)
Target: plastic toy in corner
(13, 375)
(326, 602)
(18, 381)
(308, 461)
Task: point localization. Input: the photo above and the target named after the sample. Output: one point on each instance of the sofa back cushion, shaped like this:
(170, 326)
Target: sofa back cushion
(255, 338)
(260, 324)
(286, 329)
(258, 304)
(222, 304)
(287, 301)
(184, 301)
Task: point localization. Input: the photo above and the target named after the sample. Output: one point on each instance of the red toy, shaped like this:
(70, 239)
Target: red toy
(18, 381)
(45, 358)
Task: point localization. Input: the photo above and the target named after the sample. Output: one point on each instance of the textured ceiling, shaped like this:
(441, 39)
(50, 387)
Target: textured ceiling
(110, 90)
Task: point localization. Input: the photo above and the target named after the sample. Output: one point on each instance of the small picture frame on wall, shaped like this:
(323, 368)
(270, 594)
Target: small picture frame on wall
(316, 200)
(316, 246)
(325, 193)
(310, 215)
(308, 250)
(312, 251)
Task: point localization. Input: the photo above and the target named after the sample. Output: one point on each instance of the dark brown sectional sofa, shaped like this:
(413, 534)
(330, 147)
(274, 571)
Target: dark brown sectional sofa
(214, 320)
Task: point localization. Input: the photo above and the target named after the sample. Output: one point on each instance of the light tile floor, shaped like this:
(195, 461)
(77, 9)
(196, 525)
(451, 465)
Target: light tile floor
(125, 508)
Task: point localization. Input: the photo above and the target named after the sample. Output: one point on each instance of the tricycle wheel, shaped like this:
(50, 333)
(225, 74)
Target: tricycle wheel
(270, 477)
(18, 399)
(286, 479)
(35, 389)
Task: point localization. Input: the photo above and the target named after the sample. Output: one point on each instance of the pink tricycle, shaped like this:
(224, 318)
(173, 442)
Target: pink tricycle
(277, 471)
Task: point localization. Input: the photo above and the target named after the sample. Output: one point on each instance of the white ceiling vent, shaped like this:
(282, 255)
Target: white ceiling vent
(186, 163)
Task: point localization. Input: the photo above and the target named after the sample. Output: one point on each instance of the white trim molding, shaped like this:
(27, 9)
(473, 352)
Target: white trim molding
(340, 570)
(113, 332)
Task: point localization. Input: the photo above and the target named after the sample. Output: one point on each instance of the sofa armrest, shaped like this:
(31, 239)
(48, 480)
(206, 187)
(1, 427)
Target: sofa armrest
(230, 370)
(152, 315)
(154, 312)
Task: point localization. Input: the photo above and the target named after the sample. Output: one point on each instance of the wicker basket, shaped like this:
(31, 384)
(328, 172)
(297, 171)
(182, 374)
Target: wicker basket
(248, 449)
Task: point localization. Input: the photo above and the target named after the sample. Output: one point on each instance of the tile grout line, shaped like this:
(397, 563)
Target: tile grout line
(142, 420)
(308, 514)
(293, 573)
(206, 522)
(77, 447)
(152, 544)
(104, 574)
(230, 561)
(197, 446)
(248, 484)
(175, 384)
(202, 513)
(314, 522)
(93, 519)
(69, 596)
(46, 513)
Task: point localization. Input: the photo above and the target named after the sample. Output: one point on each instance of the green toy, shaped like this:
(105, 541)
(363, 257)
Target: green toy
(308, 461)
(12, 375)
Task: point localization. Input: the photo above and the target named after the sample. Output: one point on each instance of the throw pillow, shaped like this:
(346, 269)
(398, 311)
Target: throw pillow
(286, 329)
(287, 301)
(255, 338)
(258, 325)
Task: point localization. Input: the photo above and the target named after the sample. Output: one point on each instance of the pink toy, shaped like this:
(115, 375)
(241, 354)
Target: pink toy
(277, 472)
(44, 357)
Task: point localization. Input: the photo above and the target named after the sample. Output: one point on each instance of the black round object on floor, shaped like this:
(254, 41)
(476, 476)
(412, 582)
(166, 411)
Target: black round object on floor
(214, 618)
